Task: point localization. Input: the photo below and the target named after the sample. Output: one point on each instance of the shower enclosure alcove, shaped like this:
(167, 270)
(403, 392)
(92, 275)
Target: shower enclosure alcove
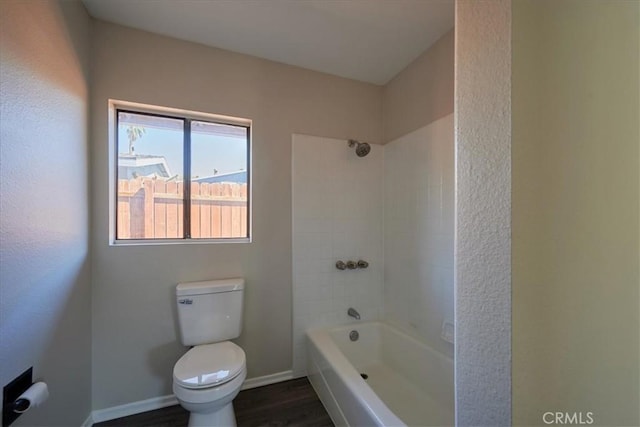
(391, 207)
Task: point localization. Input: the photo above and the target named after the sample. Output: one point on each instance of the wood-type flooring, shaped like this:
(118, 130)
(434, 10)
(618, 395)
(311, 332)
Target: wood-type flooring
(289, 403)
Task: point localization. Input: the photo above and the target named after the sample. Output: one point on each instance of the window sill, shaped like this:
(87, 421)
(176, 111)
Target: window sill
(162, 242)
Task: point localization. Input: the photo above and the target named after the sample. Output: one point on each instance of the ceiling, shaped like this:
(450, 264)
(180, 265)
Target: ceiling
(366, 40)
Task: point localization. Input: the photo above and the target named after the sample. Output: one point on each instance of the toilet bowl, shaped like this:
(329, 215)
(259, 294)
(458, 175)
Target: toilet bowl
(207, 379)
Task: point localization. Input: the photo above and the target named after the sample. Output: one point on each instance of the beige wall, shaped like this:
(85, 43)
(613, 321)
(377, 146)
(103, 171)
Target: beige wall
(45, 301)
(421, 93)
(134, 330)
(575, 209)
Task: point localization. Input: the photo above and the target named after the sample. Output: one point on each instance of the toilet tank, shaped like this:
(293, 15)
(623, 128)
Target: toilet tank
(210, 311)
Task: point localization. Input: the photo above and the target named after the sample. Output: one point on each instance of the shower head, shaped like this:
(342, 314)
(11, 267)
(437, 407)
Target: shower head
(362, 148)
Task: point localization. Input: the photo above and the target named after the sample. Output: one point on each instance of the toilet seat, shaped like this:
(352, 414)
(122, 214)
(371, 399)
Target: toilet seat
(209, 365)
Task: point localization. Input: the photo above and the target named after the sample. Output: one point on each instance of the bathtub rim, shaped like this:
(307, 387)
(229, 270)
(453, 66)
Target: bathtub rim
(321, 339)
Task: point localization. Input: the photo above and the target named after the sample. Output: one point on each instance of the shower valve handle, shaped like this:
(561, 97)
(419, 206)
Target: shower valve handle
(351, 265)
(363, 264)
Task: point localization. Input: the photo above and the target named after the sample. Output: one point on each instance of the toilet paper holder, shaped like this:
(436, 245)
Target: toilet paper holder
(20, 406)
(10, 394)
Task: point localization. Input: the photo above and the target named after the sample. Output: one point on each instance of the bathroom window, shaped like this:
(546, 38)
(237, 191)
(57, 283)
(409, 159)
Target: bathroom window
(179, 176)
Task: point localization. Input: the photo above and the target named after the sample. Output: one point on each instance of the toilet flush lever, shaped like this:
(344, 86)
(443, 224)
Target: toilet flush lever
(185, 301)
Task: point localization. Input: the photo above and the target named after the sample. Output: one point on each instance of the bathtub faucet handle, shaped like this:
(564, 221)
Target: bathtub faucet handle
(353, 313)
(340, 265)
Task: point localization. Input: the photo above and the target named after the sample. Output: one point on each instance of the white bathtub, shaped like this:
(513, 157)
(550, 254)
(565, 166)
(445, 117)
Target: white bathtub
(408, 384)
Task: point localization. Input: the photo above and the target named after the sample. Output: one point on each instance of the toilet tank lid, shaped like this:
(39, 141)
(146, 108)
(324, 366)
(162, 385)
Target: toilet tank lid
(210, 286)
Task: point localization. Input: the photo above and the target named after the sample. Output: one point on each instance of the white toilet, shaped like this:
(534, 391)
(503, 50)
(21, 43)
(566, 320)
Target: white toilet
(208, 377)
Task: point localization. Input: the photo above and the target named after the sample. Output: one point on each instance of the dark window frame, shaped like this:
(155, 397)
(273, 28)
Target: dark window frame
(186, 119)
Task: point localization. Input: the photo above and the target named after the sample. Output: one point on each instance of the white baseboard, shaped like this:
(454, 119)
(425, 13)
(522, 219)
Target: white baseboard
(278, 377)
(169, 400)
(88, 422)
(133, 408)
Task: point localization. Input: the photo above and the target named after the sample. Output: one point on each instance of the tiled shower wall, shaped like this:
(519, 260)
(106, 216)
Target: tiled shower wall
(337, 215)
(419, 232)
(393, 208)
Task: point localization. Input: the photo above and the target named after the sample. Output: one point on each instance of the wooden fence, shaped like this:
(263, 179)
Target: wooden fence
(151, 208)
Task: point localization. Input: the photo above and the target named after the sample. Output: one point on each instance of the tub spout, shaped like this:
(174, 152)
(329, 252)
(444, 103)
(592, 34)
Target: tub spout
(353, 313)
